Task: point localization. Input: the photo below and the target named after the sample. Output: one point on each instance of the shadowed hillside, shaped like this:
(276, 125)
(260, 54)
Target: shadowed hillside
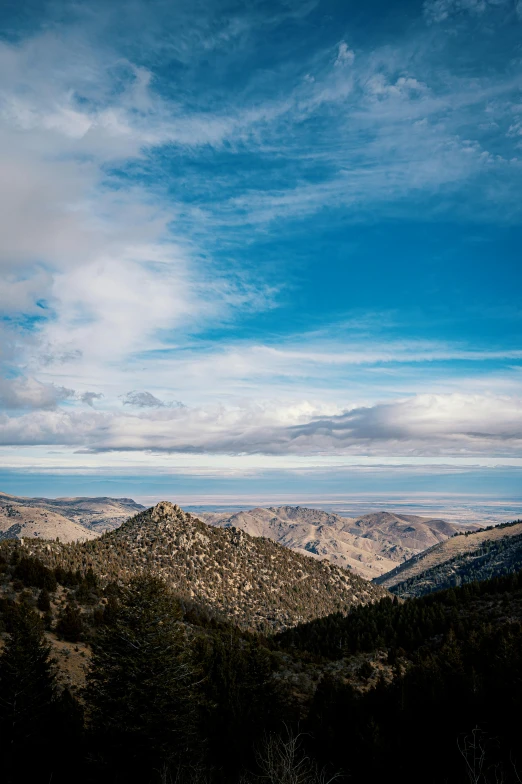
(462, 559)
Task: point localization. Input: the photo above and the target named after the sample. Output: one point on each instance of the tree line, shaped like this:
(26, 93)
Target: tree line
(164, 699)
(394, 624)
(175, 695)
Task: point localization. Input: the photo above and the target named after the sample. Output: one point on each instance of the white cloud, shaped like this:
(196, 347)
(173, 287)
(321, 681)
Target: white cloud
(23, 393)
(424, 425)
(113, 305)
(407, 86)
(22, 294)
(141, 400)
(515, 129)
(98, 266)
(90, 397)
(435, 424)
(345, 56)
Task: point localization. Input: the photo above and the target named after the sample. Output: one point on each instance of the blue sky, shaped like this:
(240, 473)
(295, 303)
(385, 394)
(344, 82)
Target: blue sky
(258, 238)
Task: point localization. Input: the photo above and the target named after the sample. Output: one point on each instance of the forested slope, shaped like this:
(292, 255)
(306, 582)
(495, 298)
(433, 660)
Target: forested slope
(250, 580)
(390, 691)
(462, 559)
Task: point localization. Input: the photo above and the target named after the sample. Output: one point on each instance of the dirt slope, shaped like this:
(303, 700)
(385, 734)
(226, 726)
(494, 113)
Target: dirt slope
(64, 517)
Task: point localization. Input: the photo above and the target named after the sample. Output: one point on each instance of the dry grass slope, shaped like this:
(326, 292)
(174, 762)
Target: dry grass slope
(18, 521)
(478, 555)
(370, 545)
(69, 519)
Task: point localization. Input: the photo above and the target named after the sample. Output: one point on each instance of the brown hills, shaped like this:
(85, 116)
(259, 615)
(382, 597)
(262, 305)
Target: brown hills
(250, 580)
(18, 521)
(370, 545)
(68, 519)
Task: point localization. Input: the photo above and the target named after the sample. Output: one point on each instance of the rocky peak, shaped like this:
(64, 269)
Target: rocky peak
(163, 510)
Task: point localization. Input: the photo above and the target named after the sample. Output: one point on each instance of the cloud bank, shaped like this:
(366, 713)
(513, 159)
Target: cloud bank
(437, 425)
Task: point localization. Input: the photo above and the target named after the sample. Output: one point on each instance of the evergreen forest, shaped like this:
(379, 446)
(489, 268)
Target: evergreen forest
(428, 689)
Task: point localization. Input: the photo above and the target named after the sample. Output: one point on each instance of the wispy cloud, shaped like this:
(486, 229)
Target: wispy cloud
(334, 372)
(441, 10)
(140, 176)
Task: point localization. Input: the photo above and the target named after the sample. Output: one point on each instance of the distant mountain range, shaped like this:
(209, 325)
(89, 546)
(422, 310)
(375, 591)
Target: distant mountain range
(68, 519)
(406, 554)
(480, 555)
(252, 581)
(369, 545)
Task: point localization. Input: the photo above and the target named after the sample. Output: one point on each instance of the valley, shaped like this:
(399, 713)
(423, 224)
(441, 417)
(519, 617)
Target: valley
(274, 641)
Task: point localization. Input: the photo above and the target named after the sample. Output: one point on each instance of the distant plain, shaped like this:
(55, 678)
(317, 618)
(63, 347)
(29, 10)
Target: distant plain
(456, 509)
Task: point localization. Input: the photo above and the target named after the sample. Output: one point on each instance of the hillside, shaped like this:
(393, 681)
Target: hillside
(369, 545)
(456, 658)
(409, 625)
(360, 690)
(250, 580)
(68, 519)
(461, 559)
(18, 521)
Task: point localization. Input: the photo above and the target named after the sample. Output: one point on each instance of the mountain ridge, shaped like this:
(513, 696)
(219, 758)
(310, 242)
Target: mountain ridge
(369, 545)
(68, 519)
(252, 581)
(468, 557)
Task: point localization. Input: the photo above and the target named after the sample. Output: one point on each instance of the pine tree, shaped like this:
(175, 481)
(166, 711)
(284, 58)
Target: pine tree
(44, 601)
(28, 696)
(244, 701)
(70, 624)
(139, 689)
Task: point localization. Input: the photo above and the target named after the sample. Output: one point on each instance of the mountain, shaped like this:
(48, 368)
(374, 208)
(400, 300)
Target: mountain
(465, 558)
(69, 519)
(250, 580)
(362, 689)
(18, 521)
(369, 545)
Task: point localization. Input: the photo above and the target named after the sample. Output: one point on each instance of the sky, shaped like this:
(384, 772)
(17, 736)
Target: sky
(261, 246)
